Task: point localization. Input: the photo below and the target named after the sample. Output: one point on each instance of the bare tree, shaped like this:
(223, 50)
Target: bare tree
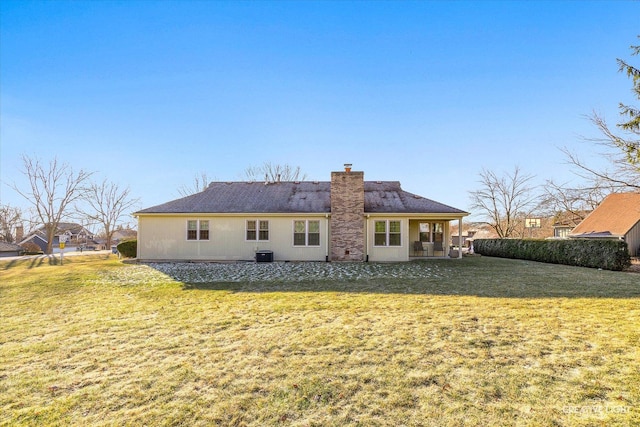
(567, 205)
(10, 218)
(622, 149)
(575, 202)
(53, 189)
(275, 173)
(107, 204)
(505, 201)
(200, 183)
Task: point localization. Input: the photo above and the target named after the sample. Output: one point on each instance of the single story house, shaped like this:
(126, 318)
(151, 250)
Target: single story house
(10, 249)
(617, 217)
(345, 219)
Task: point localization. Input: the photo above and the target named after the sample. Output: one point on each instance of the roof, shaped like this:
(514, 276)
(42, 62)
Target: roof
(63, 227)
(10, 247)
(297, 197)
(614, 217)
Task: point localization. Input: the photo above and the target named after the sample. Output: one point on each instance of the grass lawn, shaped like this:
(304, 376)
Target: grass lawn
(478, 341)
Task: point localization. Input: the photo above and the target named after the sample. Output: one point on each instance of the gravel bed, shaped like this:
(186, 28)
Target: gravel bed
(295, 271)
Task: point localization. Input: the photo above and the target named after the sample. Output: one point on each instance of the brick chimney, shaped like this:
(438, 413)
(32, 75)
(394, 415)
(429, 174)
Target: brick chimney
(347, 215)
(19, 233)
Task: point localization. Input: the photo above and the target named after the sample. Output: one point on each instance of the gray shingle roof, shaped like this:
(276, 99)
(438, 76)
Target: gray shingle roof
(297, 197)
(9, 247)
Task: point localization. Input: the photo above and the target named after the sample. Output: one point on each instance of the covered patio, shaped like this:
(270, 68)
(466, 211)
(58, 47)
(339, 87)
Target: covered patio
(430, 237)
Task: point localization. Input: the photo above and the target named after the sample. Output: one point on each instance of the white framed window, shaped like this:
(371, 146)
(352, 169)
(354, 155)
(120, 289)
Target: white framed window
(257, 229)
(387, 233)
(197, 229)
(306, 233)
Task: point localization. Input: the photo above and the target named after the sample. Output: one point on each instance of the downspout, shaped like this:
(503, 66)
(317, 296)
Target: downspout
(366, 238)
(326, 250)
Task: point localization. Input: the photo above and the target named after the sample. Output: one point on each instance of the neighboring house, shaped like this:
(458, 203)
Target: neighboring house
(117, 237)
(123, 234)
(617, 217)
(346, 219)
(10, 249)
(565, 222)
(74, 234)
(479, 231)
(466, 238)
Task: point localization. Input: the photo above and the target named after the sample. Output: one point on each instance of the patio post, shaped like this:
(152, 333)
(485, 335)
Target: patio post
(460, 238)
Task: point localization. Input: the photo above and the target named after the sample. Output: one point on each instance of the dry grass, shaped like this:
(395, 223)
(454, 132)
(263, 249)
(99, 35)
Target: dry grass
(482, 342)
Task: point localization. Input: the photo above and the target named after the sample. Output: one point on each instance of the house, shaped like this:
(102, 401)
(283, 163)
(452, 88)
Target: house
(617, 217)
(466, 238)
(119, 235)
(122, 234)
(74, 234)
(565, 222)
(345, 219)
(10, 249)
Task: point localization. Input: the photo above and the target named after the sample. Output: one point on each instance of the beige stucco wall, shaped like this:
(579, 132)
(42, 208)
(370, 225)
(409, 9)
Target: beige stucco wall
(164, 237)
(410, 233)
(387, 253)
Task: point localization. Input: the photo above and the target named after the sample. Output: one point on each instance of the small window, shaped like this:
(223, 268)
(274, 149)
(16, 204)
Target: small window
(394, 233)
(299, 233)
(197, 230)
(264, 230)
(387, 233)
(192, 230)
(380, 238)
(306, 233)
(257, 230)
(313, 237)
(204, 230)
(251, 230)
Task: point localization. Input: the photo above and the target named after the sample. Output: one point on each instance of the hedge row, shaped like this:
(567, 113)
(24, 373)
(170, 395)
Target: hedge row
(128, 249)
(605, 254)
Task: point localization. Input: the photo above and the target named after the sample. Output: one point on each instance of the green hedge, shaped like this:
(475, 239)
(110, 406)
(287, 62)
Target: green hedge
(128, 248)
(605, 254)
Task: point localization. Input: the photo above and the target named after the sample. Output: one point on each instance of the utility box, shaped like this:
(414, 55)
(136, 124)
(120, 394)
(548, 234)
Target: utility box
(264, 256)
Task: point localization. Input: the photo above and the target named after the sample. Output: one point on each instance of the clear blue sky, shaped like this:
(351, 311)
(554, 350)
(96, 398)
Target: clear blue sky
(151, 93)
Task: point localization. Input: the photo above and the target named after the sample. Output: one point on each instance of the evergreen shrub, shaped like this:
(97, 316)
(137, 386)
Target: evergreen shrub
(128, 248)
(594, 253)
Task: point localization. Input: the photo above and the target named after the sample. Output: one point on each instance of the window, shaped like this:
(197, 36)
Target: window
(306, 233)
(438, 234)
(197, 230)
(204, 230)
(387, 233)
(192, 230)
(425, 232)
(257, 230)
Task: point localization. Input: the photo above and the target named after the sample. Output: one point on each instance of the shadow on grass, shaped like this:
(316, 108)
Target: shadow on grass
(479, 277)
(35, 261)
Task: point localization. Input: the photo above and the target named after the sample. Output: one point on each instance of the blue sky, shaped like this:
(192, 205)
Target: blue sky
(150, 93)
